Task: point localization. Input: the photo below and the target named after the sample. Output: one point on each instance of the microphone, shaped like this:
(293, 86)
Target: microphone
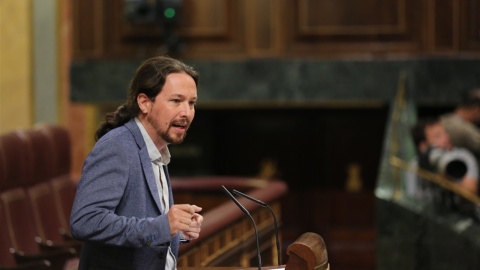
(236, 192)
(251, 218)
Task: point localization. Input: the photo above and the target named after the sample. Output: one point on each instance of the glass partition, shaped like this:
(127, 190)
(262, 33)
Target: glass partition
(420, 232)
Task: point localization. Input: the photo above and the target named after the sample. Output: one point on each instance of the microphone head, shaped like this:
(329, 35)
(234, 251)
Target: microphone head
(226, 191)
(236, 192)
(235, 200)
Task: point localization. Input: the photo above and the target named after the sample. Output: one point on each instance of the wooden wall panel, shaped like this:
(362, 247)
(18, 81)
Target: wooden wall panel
(208, 18)
(469, 25)
(213, 28)
(445, 25)
(351, 17)
(88, 28)
(272, 28)
(264, 27)
(329, 27)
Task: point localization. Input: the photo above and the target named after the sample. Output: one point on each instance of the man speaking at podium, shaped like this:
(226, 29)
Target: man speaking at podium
(123, 209)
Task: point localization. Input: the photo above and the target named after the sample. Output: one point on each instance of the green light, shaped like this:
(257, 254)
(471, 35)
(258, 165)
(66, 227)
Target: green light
(169, 13)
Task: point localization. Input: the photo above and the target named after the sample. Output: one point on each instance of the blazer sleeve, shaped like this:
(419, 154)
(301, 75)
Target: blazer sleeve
(104, 178)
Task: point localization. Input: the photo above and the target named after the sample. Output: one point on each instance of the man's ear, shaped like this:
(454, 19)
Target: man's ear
(144, 102)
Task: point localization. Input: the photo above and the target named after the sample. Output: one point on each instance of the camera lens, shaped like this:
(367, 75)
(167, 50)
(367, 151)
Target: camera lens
(456, 169)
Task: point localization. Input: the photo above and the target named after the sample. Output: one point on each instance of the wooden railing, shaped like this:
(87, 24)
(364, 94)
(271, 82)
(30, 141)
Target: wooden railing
(228, 237)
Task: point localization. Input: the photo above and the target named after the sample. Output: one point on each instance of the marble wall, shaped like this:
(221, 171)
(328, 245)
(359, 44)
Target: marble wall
(428, 81)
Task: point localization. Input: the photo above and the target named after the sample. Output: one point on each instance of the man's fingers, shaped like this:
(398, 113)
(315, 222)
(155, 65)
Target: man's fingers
(196, 220)
(192, 209)
(196, 208)
(181, 212)
(183, 207)
(179, 219)
(183, 217)
(191, 235)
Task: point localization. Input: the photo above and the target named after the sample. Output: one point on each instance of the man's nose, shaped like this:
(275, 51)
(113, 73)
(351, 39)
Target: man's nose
(186, 109)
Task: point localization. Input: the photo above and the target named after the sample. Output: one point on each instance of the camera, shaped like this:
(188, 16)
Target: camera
(454, 164)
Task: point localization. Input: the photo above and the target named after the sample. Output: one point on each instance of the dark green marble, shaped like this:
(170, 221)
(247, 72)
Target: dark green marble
(428, 80)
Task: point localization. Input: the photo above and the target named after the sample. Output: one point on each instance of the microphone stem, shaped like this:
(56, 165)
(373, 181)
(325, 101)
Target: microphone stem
(258, 244)
(276, 236)
(253, 222)
(279, 260)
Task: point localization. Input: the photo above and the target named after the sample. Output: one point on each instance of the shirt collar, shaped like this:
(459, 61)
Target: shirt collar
(155, 155)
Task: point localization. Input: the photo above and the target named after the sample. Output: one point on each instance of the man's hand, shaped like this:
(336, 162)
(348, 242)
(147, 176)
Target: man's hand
(193, 231)
(181, 216)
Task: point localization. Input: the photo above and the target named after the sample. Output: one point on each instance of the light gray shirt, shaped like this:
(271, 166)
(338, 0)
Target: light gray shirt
(462, 133)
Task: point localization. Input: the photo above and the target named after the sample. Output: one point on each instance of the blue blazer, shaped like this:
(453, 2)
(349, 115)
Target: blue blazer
(117, 210)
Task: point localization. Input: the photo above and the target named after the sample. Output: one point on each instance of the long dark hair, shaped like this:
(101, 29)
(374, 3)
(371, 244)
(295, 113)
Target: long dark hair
(149, 79)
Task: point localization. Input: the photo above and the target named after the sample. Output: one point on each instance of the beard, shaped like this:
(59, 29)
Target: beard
(169, 139)
(165, 135)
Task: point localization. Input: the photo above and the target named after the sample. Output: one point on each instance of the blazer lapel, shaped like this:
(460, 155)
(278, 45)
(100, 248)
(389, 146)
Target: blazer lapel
(145, 161)
(150, 177)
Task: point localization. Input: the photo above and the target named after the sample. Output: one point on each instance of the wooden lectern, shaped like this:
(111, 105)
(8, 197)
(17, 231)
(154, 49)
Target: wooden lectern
(308, 252)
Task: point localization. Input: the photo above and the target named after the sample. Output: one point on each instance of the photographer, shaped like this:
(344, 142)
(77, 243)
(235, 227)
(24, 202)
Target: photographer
(462, 125)
(436, 154)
